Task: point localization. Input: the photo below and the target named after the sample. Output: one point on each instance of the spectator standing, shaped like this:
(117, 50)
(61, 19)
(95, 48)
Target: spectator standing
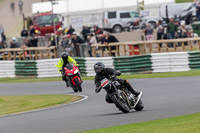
(14, 43)
(198, 10)
(70, 30)
(1, 29)
(76, 41)
(85, 32)
(32, 30)
(148, 31)
(53, 40)
(3, 38)
(28, 43)
(33, 41)
(2, 34)
(24, 33)
(2, 45)
(171, 30)
(20, 4)
(92, 40)
(110, 39)
(183, 32)
(12, 7)
(97, 30)
(67, 44)
(160, 31)
(101, 38)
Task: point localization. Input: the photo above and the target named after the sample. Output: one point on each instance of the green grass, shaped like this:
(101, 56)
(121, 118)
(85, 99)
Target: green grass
(181, 124)
(132, 76)
(183, 1)
(15, 104)
(163, 75)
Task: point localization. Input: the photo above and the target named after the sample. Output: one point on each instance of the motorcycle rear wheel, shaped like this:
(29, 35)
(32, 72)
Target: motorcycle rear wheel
(119, 104)
(78, 84)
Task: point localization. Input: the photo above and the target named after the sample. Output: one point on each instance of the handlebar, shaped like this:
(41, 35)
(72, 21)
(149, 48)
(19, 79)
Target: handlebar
(112, 77)
(98, 89)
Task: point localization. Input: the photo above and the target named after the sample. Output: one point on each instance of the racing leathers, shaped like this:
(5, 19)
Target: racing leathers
(106, 73)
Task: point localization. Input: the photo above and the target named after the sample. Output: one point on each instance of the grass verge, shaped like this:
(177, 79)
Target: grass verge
(132, 76)
(183, 1)
(181, 124)
(15, 104)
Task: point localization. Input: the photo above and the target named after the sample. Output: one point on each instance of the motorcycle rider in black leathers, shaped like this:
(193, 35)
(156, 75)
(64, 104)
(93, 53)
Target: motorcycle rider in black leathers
(102, 72)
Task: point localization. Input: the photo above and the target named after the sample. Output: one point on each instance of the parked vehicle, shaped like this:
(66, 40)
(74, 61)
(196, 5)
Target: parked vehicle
(120, 95)
(73, 77)
(117, 21)
(180, 11)
(188, 13)
(153, 20)
(43, 23)
(133, 25)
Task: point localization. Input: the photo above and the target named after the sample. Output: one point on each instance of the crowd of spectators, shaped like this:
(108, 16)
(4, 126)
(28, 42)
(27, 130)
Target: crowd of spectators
(2, 38)
(173, 30)
(71, 41)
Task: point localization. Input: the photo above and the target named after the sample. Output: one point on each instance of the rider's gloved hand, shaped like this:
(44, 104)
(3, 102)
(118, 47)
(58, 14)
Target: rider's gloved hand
(62, 72)
(97, 90)
(117, 73)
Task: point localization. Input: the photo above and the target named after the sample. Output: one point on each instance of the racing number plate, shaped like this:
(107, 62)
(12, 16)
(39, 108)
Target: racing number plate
(104, 82)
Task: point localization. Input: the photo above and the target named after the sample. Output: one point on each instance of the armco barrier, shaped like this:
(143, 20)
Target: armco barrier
(7, 69)
(133, 64)
(194, 58)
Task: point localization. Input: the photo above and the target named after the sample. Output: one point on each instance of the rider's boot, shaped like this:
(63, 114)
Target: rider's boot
(136, 93)
(130, 88)
(108, 99)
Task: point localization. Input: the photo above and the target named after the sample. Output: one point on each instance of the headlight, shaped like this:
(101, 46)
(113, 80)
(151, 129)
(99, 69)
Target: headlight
(75, 71)
(37, 31)
(193, 13)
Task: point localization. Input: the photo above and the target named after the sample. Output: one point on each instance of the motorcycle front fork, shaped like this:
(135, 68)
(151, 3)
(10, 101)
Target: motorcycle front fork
(79, 74)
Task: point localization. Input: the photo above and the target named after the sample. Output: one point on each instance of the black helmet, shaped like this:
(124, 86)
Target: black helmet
(99, 67)
(64, 56)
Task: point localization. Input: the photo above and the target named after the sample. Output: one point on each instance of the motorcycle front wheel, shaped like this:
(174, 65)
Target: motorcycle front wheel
(120, 104)
(78, 84)
(139, 106)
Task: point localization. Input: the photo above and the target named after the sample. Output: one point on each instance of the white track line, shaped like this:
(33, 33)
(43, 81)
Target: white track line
(47, 108)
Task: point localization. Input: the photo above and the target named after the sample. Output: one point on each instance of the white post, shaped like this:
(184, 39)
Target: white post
(54, 27)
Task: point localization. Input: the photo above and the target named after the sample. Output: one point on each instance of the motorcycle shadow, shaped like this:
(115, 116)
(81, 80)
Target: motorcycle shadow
(121, 113)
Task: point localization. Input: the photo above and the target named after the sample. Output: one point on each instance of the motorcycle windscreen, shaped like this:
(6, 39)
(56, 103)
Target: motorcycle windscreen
(69, 66)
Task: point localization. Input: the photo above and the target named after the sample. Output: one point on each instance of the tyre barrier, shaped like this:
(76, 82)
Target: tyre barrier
(152, 63)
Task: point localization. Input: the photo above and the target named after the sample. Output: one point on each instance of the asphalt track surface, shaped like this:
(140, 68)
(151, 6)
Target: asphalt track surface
(166, 97)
